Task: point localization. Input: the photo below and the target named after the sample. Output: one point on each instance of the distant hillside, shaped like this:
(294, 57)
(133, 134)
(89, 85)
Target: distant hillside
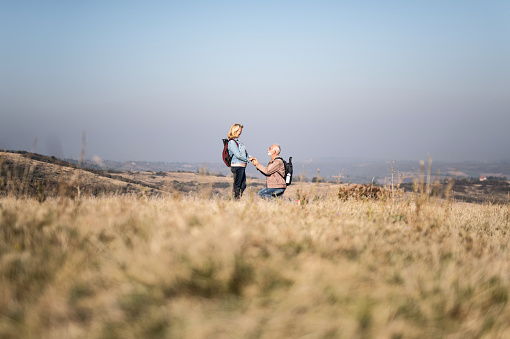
(363, 171)
(350, 170)
(30, 174)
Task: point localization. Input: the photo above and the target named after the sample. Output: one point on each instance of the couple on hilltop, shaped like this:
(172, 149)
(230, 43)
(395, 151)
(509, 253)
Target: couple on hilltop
(274, 172)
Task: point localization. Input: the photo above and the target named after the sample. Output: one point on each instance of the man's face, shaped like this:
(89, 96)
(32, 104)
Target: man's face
(270, 151)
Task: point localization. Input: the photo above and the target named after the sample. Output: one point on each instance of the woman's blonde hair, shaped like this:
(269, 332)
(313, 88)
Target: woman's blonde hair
(233, 130)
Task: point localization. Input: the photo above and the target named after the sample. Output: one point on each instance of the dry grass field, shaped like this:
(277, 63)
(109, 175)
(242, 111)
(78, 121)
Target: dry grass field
(200, 265)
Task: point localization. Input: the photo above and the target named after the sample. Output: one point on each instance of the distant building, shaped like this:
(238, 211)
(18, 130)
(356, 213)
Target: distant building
(483, 178)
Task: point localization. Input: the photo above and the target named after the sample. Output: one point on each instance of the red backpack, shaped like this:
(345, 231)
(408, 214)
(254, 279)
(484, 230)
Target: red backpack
(227, 159)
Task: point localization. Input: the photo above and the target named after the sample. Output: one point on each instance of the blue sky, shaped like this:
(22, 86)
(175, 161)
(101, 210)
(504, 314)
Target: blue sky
(163, 80)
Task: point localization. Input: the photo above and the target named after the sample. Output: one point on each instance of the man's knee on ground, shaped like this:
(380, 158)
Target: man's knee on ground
(277, 194)
(270, 193)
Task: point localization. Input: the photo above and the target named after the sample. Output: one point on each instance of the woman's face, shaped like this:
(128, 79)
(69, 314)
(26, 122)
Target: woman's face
(238, 133)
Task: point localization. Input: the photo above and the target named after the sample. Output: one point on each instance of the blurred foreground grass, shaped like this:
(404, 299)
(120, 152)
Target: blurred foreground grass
(183, 267)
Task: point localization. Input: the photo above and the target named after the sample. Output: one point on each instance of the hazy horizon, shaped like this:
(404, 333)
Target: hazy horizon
(163, 81)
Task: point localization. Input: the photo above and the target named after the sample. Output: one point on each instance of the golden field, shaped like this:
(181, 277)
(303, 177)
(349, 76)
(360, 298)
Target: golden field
(87, 254)
(129, 266)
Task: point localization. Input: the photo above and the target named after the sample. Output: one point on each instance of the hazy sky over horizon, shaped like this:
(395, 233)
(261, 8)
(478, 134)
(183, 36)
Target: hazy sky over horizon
(164, 80)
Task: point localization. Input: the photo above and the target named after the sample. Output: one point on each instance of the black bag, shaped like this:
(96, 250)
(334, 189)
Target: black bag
(288, 170)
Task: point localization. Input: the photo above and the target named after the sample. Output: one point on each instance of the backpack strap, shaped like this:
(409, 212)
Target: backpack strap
(284, 169)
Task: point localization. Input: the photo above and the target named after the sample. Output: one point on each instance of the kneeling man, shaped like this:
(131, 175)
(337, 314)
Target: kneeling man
(274, 172)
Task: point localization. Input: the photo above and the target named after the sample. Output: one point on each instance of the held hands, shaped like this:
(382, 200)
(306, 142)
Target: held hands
(254, 161)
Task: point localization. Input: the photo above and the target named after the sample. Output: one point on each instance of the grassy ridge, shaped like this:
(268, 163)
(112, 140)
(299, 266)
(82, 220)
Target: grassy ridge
(34, 175)
(127, 267)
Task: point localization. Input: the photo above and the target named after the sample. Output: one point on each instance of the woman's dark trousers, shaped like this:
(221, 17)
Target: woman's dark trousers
(239, 181)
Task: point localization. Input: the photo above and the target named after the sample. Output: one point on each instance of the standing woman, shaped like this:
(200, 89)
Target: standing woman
(240, 158)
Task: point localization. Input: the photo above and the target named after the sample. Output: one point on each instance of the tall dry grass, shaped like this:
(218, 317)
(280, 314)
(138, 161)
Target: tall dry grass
(195, 267)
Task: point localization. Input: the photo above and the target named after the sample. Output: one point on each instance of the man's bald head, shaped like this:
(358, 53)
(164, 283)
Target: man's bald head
(276, 148)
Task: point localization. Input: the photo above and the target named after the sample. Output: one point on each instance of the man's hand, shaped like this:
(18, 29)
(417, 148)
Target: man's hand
(254, 161)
